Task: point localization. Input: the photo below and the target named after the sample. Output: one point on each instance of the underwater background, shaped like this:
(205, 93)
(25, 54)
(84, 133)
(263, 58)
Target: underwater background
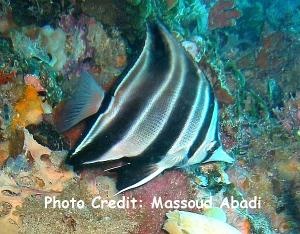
(248, 49)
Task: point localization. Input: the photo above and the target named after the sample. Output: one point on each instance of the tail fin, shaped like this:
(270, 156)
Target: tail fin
(220, 155)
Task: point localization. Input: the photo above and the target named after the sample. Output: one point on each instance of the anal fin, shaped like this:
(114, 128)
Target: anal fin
(134, 175)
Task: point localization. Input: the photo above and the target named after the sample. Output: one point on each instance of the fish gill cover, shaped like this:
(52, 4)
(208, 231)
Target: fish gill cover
(88, 63)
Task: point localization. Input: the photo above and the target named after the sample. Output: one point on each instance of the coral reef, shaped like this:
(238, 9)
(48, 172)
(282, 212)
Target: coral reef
(249, 50)
(184, 17)
(90, 47)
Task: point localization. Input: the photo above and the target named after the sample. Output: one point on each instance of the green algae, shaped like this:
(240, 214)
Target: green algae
(27, 48)
(39, 12)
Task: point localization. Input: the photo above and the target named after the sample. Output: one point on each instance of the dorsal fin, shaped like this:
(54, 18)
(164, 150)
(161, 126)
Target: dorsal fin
(85, 101)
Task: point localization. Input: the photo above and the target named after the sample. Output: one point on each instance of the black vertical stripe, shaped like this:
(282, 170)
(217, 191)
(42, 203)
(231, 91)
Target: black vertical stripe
(217, 145)
(179, 115)
(204, 128)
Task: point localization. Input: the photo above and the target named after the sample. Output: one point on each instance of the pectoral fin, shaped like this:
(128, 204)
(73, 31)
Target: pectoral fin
(86, 101)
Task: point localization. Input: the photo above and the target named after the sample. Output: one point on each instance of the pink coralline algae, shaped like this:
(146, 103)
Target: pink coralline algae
(289, 115)
(33, 80)
(223, 14)
(89, 46)
(173, 185)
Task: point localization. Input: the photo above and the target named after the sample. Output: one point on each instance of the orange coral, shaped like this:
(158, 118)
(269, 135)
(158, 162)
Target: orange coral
(28, 110)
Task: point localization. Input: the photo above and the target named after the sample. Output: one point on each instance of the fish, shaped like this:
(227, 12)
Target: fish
(162, 114)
